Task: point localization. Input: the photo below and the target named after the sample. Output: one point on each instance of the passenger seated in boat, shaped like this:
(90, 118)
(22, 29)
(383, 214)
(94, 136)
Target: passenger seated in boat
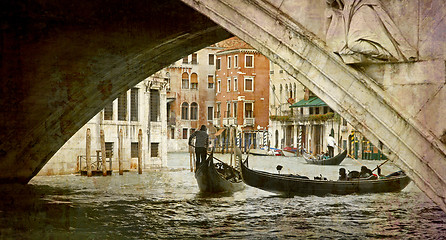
(353, 174)
(342, 175)
(229, 173)
(365, 172)
(326, 156)
(321, 156)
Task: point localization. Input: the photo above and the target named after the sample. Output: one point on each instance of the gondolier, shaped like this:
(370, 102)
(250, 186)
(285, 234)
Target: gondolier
(201, 144)
(331, 143)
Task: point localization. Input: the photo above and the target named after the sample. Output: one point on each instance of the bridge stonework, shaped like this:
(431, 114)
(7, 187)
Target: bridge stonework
(398, 103)
(61, 62)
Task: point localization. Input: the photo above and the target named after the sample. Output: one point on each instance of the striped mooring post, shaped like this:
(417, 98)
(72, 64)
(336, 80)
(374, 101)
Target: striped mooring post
(299, 138)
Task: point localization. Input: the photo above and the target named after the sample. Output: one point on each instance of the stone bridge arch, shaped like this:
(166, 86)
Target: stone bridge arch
(62, 61)
(275, 29)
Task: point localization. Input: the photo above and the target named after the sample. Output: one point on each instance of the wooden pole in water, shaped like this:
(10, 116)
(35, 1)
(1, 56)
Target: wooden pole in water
(103, 154)
(191, 158)
(88, 154)
(232, 144)
(121, 172)
(140, 151)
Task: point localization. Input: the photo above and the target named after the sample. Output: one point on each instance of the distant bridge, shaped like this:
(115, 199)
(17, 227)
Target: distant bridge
(62, 61)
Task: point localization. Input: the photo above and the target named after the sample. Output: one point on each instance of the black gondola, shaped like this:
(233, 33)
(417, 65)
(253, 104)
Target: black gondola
(336, 160)
(291, 185)
(217, 177)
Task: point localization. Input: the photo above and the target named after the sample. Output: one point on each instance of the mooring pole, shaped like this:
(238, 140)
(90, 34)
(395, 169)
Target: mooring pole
(191, 158)
(103, 154)
(140, 151)
(231, 142)
(88, 154)
(121, 172)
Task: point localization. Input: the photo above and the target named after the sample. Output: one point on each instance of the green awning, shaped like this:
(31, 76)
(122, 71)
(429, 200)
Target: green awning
(311, 102)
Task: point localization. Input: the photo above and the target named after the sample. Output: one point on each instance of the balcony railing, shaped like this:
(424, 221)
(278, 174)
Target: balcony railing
(229, 121)
(315, 117)
(248, 121)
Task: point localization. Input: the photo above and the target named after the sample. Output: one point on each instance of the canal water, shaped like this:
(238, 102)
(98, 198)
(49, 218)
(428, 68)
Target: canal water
(167, 204)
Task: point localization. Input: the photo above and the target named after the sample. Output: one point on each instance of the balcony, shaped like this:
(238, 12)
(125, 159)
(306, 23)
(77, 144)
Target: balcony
(229, 121)
(248, 121)
(316, 117)
(285, 118)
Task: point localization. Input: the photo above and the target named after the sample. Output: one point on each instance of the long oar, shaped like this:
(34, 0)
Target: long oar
(380, 165)
(350, 155)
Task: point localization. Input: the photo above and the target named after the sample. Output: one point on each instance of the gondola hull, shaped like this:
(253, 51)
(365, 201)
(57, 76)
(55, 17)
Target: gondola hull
(210, 181)
(289, 185)
(336, 160)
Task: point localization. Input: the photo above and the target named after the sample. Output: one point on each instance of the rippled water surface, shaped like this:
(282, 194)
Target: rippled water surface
(167, 204)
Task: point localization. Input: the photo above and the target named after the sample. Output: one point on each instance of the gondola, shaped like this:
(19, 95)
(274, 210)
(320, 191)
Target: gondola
(217, 177)
(264, 152)
(336, 160)
(295, 185)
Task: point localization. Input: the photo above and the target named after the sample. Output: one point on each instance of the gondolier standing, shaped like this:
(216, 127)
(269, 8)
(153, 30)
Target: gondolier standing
(201, 144)
(331, 143)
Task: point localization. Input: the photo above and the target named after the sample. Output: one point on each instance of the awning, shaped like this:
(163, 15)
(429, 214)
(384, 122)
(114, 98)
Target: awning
(311, 102)
(219, 131)
(210, 79)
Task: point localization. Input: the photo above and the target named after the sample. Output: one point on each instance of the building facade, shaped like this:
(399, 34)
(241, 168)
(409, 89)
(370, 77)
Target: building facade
(190, 96)
(141, 108)
(242, 84)
(284, 90)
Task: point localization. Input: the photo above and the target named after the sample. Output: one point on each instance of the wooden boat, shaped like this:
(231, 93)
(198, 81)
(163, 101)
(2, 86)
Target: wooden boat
(264, 152)
(288, 153)
(292, 185)
(336, 160)
(290, 150)
(217, 177)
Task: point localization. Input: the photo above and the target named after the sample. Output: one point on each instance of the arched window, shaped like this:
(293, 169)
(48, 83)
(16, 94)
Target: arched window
(185, 81)
(194, 111)
(194, 81)
(185, 111)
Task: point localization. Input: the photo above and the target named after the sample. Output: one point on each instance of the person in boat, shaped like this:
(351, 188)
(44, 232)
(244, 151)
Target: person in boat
(367, 173)
(201, 144)
(342, 175)
(352, 175)
(321, 156)
(326, 156)
(331, 143)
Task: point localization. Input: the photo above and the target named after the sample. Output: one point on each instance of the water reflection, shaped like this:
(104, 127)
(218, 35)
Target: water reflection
(167, 204)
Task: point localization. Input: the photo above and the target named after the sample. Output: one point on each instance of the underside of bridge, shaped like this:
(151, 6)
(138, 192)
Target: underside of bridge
(62, 61)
